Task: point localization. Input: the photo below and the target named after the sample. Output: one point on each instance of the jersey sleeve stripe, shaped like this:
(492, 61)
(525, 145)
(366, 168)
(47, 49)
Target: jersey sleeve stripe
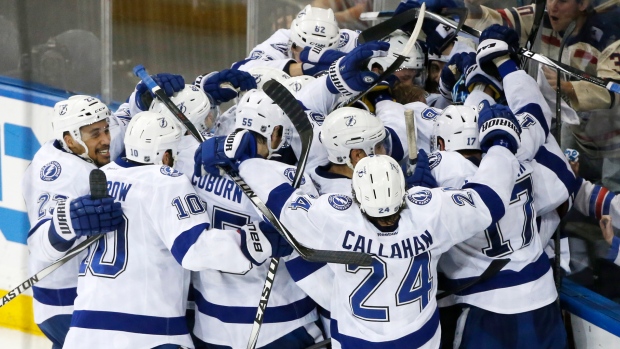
(185, 240)
(246, 315)
(560, 168)
(414, 339)
(41, 222)
(536, 111)
(278, 198)
(300, 269)
(58, 296)
(612, 255)
(490, 198)
(114, 321)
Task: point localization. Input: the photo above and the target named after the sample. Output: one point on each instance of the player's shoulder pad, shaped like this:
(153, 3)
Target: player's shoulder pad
(419, 196)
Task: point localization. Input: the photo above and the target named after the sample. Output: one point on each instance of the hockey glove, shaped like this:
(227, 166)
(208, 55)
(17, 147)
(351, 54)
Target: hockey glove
(86, 217)
(498, 126)
(431, 5)
(451, 72)
(260, 240)
(226, 151)
(346, 75)
(316, 59)
(381, 92)
(475, 75)
(170, 83)
(497, 41)
(222, 86)
(422, 176)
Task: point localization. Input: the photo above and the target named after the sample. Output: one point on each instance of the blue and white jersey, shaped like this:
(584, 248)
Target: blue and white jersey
(515, 236)
(53, 174)
(133, 284)
(274, 52)
(390, 304)
(226, 302)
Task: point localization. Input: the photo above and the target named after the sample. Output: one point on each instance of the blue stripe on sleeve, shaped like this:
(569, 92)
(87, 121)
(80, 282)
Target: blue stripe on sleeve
(559, 166)
(536, 111)
(57, 241)
(607, 203)
(397, 146)
(185, 240)
(33, 229)
(490, 198)
(279, 197)
(59, 297)
(592, 203)
(300, 268)
(414, 339)
(113, 321)
(246, 315)
(613, 250)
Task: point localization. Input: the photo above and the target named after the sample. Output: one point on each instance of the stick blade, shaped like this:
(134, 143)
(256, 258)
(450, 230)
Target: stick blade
(98, 184)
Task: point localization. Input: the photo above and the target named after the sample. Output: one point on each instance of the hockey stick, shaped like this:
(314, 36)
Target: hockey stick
(412, 146)
(401, 57)
(98, 189)
(311, 255)
(538, 15)
(565, 68)
(288, 103)
(320, 344)
(494, 267)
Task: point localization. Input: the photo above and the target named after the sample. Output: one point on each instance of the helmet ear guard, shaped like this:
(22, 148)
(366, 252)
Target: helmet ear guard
(149, 135)
(379, 185)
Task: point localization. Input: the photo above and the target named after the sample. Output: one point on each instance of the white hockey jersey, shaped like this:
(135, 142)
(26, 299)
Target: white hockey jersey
(226, 302)
(391, 304)
(133, 284)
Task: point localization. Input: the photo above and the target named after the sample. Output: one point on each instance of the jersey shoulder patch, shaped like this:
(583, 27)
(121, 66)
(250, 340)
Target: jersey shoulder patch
(344, 39)
(50, 171)
(340, 202)
(282, 47)
(169, 171)
(433, 160)
(422, 197)
(429, 114)
(290, 174)
(260, 55)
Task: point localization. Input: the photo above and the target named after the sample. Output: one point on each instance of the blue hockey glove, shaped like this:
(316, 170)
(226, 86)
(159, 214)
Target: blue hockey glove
(498, 126)
(222, 86)
(475, 75)
(227, 151)
(261, 240)
(421, 176)
(316, 59)
(497, 41)
(84, 216)
(347, 75)
(170, 83)
(434, 6)
(451, 72)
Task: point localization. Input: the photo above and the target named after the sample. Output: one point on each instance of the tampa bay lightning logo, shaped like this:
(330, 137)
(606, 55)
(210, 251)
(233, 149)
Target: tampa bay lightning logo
(182, 107)
(50, 171)
(344, 39)
(282, 47)
(162, 122)
(169, 171)
(63, 109)
(339, 201)
(429, 114)
(420, 198)
(350, 120)
(257, 78)
(368, 79)
(434, 160)
(317, 117)
(290, 174)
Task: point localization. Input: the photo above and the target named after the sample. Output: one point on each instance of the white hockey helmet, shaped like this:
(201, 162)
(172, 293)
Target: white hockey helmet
(194, 103)
(149, 135)
(457, 125)
(72, 114)
(379, 185)
(295, 84)
(397, 41)
(350, 128)
(257, 112)
(264, 74)
(315, 26)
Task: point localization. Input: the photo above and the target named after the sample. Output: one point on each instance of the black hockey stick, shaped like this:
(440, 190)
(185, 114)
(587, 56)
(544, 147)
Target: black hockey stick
(565, 68)
(320, 344)
(494, 267)
(538, 15)
(311, 255)
(98, 189)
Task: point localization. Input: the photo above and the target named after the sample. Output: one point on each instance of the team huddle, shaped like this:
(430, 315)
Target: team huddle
(183, 252)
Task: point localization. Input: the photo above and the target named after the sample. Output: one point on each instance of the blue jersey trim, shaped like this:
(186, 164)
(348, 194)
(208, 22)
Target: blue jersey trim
(503, 279)
(536, 111)
(490, 198)
(58, 297)
(300, 268)
(278, 197)
(323, 171)
(144, 324)
(613, 250)
(559, 167)
(590, 306)
(397, 146)
(186, 240)
(324, 312)
(246, 315)
(33, 229)
(414, 339)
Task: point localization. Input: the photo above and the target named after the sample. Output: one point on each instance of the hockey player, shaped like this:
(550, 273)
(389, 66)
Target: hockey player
(412, 71)
(406, 232)
(312, 43)
(59, 170)
(163, 233)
